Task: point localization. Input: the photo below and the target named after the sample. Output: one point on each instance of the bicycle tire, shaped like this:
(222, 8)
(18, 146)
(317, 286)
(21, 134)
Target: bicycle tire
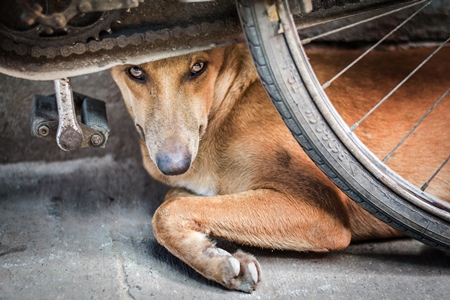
(291, 84)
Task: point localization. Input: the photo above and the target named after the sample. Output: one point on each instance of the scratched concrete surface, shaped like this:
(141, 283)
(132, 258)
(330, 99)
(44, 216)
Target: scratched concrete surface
(78, 226)
(81, 229)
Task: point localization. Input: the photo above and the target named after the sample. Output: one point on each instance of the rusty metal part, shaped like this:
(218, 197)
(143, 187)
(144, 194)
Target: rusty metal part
(33, 12)
(155, 30)
(43, 130)
(158, 29)
(93, 115)
(35, 42)
(91, 112)
(69, 135)
(97, 140)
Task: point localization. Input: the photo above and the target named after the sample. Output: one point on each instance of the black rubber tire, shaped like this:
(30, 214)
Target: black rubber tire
(292, 86)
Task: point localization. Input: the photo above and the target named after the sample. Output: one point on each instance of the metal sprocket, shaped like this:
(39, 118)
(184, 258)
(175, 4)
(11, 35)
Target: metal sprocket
(81, 29)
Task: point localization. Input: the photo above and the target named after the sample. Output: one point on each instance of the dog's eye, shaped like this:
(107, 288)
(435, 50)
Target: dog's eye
(136, 73)
(198, 68)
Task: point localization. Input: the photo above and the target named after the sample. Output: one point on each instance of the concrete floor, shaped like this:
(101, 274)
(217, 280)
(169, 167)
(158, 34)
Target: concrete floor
(78, 230)
(78, 226)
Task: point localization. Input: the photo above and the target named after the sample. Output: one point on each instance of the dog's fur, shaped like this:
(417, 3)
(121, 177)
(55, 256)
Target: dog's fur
(236, 171)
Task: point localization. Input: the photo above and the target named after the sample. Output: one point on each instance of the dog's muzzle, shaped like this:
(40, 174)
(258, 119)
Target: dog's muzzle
(173, 163)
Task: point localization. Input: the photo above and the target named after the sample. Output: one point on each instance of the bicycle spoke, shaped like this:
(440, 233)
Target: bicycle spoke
(423, 188)
(327, 84)
(415, 126)
(354, 126)
(309, 40)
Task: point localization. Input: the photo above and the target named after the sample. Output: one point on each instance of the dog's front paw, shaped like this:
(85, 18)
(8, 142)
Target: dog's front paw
(240, 271)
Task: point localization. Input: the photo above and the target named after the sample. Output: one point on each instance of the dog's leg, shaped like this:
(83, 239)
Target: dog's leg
(264, 218)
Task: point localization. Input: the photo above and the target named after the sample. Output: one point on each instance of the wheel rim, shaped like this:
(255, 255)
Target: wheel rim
(293, 88)
(382, 172)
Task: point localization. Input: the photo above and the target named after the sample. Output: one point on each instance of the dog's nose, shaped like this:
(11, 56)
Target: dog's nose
(173, 163)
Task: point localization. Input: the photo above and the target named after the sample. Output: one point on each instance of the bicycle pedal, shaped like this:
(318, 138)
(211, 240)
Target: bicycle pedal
(91, 112)
(93, 115)
(44, 117)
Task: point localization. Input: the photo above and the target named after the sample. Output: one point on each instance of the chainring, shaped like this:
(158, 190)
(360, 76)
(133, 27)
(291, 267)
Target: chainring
(33, 40)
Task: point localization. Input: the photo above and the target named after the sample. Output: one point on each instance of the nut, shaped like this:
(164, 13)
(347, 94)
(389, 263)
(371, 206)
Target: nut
(43, 130)
(96, 140)
(85, 7)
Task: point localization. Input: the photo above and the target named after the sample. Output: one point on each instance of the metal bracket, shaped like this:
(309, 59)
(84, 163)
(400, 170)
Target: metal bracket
(54, 118)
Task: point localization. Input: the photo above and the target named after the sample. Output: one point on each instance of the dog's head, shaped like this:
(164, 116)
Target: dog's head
(170, 101)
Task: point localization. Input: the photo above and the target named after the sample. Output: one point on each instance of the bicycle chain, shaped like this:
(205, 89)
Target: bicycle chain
(121, 41)
(81, 40)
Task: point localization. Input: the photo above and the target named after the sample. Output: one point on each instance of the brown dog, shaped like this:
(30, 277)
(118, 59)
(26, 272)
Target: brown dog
(209, 130)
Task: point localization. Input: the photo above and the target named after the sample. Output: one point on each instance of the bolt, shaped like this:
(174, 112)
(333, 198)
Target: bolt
(28, 18)
(85, 7)
(58, 21)
(96, 140)
(48, 30)
(69, 139)
(43, 130)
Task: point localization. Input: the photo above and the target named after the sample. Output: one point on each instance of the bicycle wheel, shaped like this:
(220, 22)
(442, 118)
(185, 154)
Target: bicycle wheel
(293, 87)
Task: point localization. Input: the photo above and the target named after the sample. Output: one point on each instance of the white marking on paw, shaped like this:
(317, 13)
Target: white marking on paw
(235, 265)
(253, 271)
(211, 252)
(222, 252)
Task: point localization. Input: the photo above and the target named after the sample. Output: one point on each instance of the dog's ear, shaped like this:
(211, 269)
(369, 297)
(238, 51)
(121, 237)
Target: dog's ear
(235, 75)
